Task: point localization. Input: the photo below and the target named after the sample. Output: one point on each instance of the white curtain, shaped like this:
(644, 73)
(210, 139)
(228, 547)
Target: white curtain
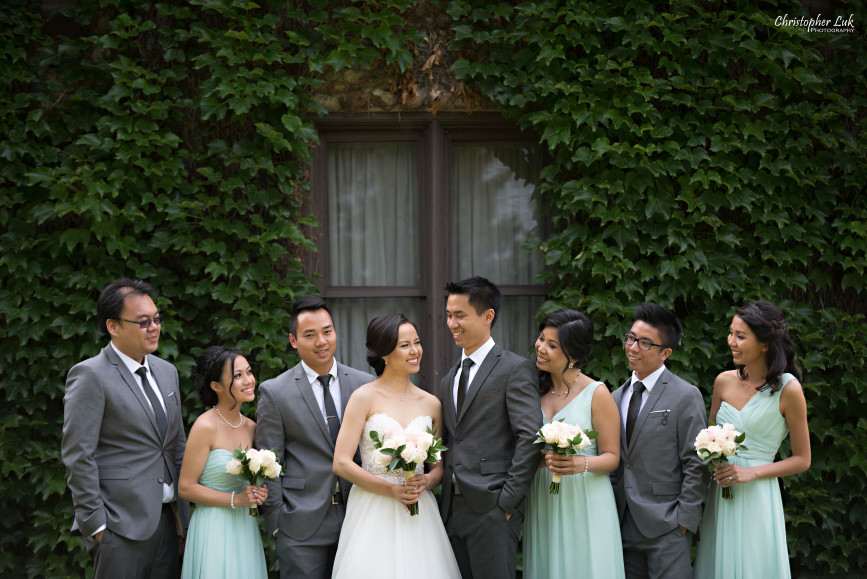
(373, 214)
(494, 211)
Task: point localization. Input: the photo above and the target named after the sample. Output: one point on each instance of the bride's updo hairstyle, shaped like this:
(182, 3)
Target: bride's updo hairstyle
(209, 368)
(575, 334)
(382, 334)
(769, 325)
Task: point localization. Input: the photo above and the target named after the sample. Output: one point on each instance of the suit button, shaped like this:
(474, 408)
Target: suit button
(628, 465)
(458, 441)
(160, 479)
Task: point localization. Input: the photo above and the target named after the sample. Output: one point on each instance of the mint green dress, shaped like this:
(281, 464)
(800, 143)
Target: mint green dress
(223, 542)
(745, 537)
(575, 533)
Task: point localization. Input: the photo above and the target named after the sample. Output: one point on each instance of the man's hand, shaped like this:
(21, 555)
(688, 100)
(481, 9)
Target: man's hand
(98, 536)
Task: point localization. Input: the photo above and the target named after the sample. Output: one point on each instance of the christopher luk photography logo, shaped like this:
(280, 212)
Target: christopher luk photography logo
(832, 25)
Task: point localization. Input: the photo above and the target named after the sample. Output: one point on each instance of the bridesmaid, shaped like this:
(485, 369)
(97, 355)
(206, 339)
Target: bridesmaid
(223, 539)
(575, 533)
(745, 536)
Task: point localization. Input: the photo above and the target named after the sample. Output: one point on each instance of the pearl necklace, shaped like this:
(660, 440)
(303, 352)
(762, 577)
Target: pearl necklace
(568, 387)
(226, 421)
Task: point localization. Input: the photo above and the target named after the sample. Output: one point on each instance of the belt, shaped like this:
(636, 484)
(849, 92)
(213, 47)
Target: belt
(456, 490)
(336, 498)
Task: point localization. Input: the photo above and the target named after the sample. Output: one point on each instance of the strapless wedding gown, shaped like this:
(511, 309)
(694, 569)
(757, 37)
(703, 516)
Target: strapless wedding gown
(379, 538)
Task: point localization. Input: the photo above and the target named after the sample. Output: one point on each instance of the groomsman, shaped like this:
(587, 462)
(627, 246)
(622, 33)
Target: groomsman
(660, 483)
(123, 442)
(299, 414)
(491, 412)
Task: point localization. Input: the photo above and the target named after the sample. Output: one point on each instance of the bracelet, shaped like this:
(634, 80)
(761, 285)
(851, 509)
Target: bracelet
(586, 465)
(232, 500)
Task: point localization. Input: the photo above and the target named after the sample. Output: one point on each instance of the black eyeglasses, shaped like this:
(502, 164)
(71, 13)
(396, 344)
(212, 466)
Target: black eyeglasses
(643, 343)
(144, 324)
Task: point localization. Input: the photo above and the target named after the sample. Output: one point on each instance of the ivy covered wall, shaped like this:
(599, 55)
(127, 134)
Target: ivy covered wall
(703, 157)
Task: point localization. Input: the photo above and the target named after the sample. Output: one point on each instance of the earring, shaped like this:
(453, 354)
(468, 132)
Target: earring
(386, 361)
(571, 365)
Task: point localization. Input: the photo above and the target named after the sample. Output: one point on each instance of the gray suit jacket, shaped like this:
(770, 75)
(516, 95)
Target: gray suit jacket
(112, 450)
(290, 422)
(491, 450)
(660, 476)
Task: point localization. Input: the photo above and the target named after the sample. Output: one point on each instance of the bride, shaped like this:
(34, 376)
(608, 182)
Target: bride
(378, 535)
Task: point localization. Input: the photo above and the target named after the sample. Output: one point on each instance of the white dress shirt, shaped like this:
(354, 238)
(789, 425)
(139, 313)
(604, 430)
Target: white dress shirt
(333, 387)
(477, 357)
(649, 382)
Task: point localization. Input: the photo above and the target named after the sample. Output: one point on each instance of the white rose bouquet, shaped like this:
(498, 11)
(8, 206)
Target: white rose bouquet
(715, 444)
(563, 438)
(256, 466)
(404, 449)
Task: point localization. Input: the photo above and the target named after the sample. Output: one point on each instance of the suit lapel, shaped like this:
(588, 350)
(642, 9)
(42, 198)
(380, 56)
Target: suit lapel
(306, 391)
(649, 404)
(345, 387)
(448, 399)
(163, 380)
(618, 398)
(133, 386)
(481, 375)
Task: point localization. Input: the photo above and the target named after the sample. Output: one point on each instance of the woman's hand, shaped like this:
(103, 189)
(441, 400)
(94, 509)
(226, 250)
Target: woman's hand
(251, 496)
(730, 474)
(409, 493)
(564, 464)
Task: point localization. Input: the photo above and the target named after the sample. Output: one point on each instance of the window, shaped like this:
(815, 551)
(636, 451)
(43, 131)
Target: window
(407, 204)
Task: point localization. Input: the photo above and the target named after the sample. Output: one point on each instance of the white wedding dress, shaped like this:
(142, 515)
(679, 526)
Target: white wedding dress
(379, 538)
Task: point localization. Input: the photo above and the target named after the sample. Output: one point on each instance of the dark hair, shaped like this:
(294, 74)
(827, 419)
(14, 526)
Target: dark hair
(769, 325)
(575, 334)
(305, 304)
(209, 368)
(110, 303)
(382, 334)
(482, 294)
(663, 319)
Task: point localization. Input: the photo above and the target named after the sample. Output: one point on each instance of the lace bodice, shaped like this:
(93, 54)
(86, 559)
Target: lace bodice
(383, 423)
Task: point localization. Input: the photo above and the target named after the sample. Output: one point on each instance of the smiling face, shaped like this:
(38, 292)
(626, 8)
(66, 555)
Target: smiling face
(128, 337)
(243, 383)
(315, 340)
(645, 362)
(469, 329)
(549, 356)
(745, 347)
(406, 356)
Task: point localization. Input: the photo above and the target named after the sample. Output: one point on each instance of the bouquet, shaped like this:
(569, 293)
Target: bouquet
(715, 444)
(256, 466)
(404, 449)
(566, 439)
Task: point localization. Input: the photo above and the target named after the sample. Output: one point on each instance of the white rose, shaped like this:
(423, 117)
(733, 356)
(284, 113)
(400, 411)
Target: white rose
(233, 466)
(703, 439)
(273, 470)
(394, 439)
(382, 459)
(408, 453)
(549, 432)
(729, 447)
(255, 460)
(713, 447)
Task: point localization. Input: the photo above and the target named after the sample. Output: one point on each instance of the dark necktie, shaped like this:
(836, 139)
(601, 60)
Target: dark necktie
(330, 409)
(159, 413)
(634, 407)
(462, 383)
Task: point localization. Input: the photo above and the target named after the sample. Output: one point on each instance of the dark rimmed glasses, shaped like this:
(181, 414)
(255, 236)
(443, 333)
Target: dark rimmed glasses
(643, 343)
(145, 324)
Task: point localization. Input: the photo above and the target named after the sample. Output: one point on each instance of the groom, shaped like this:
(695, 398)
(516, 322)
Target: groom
(660, 483)
(491, 412)
(298, 414)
